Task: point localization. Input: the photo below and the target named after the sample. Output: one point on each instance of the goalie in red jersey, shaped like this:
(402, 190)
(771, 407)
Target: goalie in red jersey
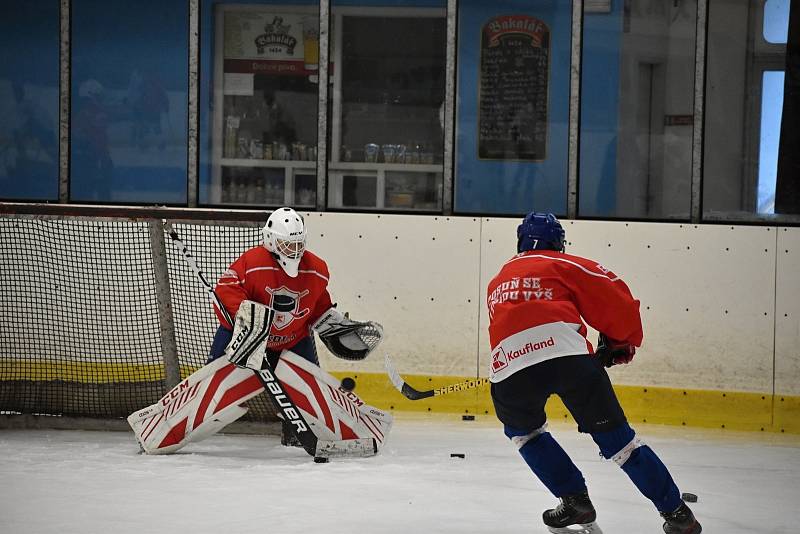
(283, 275)
(293, 282)
(270, 302)
(538, 303)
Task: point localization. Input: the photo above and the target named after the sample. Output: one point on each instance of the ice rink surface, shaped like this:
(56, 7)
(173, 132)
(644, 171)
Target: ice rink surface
(63, 481)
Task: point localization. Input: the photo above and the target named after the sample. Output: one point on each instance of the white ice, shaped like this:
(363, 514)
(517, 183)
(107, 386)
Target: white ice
(63, 481)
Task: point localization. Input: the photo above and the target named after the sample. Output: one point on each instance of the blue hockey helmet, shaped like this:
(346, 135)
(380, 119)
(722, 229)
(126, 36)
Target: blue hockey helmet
(540, 231)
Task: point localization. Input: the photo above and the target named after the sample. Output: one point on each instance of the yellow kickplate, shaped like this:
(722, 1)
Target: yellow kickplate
(672, 406)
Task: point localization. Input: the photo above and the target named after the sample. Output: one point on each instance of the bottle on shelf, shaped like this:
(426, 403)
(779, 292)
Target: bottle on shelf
(231, 134)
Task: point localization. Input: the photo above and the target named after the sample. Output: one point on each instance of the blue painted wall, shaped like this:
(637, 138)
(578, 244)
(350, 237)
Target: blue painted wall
(600, 89)
(129, 101)
(511, 187)
(29, 81)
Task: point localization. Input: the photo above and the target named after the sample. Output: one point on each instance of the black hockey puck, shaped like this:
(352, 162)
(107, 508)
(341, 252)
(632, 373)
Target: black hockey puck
(320, 460)
(348, 384)
(689, 497)
(467, 417)
(457, 455)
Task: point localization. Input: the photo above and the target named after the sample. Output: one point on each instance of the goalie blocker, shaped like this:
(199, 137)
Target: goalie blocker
(211, 398)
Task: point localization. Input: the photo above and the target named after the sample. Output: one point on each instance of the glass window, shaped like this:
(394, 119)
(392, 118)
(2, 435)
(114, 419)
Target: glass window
(637, 105)
(744, 104)
(512, 106)
(262, 145)
(771, 110)
(29, 157)
(387, 106)
(776, 21)
(128, 125)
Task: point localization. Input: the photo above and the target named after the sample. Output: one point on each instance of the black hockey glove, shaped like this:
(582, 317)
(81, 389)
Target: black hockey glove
(611, 352)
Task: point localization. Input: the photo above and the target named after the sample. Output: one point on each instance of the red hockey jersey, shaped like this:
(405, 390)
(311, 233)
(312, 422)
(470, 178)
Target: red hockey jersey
(538, 302)
(298, 302)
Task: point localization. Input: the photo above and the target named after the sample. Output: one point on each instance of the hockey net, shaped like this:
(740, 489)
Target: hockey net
(81, 334)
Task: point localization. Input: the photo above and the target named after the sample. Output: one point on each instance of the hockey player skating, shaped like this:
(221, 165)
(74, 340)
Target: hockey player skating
(538, 303)
(270, 302)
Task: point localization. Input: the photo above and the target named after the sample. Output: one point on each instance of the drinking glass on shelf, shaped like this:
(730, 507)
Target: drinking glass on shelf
(371, 153)
(400, 154)
(389, 152)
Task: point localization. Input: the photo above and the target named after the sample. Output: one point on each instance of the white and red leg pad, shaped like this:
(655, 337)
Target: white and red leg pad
(332, 412)
(201, 405)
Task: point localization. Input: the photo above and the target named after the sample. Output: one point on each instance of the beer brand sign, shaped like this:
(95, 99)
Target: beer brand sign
(259, 35)
(276, 37)
(523, 25)
(513, 85)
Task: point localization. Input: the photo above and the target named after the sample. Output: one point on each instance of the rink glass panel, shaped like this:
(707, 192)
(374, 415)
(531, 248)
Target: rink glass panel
(263, 143)
(744, 105)
(29, 100)
(637, 97)
(386, 145)
(128, 101)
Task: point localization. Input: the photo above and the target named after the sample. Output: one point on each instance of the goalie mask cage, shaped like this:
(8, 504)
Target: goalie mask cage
(101, 314)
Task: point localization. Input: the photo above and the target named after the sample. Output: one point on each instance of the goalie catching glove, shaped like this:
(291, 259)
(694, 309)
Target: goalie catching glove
(611, 352)
(347, 339)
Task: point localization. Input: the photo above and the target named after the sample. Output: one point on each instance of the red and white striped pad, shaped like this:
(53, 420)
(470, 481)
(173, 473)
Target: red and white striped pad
(198, 407)
(332, 412)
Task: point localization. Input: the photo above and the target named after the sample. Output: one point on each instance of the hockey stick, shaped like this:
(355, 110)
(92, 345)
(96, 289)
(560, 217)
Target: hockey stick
(414, 394)
(280, 399)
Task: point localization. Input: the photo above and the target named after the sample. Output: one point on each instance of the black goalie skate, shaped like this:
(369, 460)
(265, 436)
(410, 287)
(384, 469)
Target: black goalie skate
(574, 515)
(681, 521)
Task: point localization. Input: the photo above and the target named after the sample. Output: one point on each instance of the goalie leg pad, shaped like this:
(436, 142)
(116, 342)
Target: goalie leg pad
(198, 407)
(333, 413)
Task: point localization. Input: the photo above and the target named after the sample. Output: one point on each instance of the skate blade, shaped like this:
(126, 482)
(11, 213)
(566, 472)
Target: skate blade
(586, 528)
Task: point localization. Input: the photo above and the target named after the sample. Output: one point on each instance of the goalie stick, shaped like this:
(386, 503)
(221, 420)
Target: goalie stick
(415, 394)
(283, 403)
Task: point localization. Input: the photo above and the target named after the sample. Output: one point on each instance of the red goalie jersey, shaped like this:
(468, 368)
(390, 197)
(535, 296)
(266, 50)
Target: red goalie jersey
(298, 301)
(537, 304)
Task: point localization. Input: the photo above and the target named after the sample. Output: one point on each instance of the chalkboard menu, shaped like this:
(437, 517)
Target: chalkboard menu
(514, 81)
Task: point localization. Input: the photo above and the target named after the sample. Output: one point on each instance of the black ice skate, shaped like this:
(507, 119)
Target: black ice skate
(681, 521)
(574, 515)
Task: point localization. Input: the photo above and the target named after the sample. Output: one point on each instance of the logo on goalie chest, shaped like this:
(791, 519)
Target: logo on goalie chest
(286, 304)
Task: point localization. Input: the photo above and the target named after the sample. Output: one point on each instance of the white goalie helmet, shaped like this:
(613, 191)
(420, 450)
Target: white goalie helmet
(285, 237)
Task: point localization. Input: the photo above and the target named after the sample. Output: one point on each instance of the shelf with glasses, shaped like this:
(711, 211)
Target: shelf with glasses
(274, 163)
(366, 166)
(385, 186)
